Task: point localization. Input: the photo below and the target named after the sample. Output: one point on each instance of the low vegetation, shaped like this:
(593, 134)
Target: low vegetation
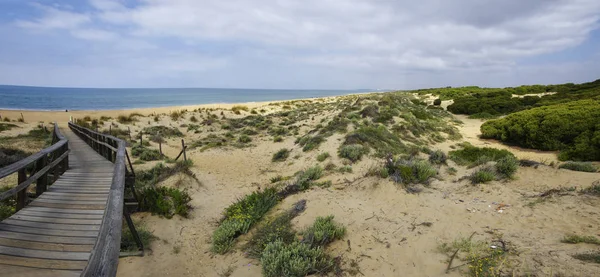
(481, 259)
(145, 153)
(128, 243)
(578, 166)
(574, 239)
(7, 126)
(352, 152)
(410, 171)
(472, 156)
(570, 128)
(323, 156)
(281, 155)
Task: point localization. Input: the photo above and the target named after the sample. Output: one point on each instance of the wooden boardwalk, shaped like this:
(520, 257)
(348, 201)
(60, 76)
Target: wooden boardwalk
(55, 234)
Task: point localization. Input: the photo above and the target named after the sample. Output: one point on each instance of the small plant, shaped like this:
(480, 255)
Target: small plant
(244, 139)
(482, 175)
(281, 155)
(345, 169)
(330, 166)
(165, 201)
(451, 171)
(472, 156)
(193, 119)
(410, 171)
(507, 166)
(296, 259)
(145, 153)
(437, 102)
(593, 257)
(323, 231)
(238, 108)
(438, 157)
(277, 139)
(352, 152)
(579, 166)
(175, 115)
(593, 190)
(574, 239)
(128, 242)
(323, 156)
(310, 143)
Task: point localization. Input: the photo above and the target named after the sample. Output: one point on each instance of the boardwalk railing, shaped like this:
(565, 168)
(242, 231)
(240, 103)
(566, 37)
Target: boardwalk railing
(105, 254)
(51, 160)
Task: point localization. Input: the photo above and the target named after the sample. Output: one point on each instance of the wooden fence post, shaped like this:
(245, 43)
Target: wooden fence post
(42, 182)
(183, 149)
(22, 194)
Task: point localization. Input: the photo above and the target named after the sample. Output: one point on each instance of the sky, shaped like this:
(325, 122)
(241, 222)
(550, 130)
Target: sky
(302, 44)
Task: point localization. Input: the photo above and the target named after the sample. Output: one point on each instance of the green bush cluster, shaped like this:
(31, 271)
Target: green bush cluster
(7, 126)
(165, 201)
(579, 166)
(571, 128)
(438, 157)
(352, 152)
(484, 105)
(483, 175)
(309, 143)
(240, 216)
(163, 131)
(281, 155)
(377, 137)
(410, 171)
(323, 156)
(128, 242)
(323, 231)
(472, 156)
(144, 153)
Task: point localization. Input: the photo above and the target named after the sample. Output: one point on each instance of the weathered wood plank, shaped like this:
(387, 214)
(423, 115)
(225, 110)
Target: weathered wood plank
(74, 201)
(44, 238)
(41, 254)
(66, 211)
(55, 226)
(61, 215)
(18, 216)
(46, 245)
(49, 232)
(66, 206)
(18, 266)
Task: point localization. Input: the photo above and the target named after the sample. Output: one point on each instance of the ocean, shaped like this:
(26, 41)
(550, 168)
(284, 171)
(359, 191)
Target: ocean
(60, 99)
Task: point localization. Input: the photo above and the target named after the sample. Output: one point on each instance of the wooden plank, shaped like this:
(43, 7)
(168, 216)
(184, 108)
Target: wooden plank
(67, 211)
(30, 267)
(56, 220)
(41, 254)
(44, 238)
(66, 206)
(50, 232)
(55, 226)
(78, 202)
(74, 197)
(61, 215)
(46, 246)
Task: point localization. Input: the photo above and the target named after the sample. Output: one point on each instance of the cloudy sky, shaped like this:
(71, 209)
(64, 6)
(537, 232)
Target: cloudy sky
(328, 44)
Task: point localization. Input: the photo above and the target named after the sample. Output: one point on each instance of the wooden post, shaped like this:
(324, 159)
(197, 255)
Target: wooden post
(56, 169)
(141, 135)
(65, 165)
(183, 149)
(42, 182)
(129, 132)
(22, 194)
(22, 118)
(160, 147)
(110, 129)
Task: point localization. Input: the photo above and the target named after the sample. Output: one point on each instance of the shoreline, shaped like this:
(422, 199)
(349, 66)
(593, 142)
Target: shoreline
(63, 116)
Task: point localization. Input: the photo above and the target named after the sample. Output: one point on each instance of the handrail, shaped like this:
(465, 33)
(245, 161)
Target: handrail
(105, 253)
(54, 159)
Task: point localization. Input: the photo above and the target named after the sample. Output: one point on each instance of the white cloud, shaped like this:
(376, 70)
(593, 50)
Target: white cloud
(379, 39)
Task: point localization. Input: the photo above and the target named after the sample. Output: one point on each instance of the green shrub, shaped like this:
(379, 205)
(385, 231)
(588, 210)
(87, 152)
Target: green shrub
(352, 152)
(437, 102)
(507, 166)
(438, 157)
(144, 153)
(244, 139)
(345, 169)
(323, 231)
(7, 126)
(277, 139)
(473, 156)
(193, 119)
(237, 108)
(165, 201)
(593, 257)
(593, 190)
(410, 171)
(123, 119)
(310, 143)
(281, 155)
(574, 239)
(579, 166)
(377, 137)
(323, 156)
(294, 260)
(482, 175)
(569, 127)
(240, 216)
(128, 242)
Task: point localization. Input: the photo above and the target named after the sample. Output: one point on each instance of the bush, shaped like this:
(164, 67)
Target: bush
(294, 260)
(377, 137)
(310, 143)
(277, 139)
(574, 239)
(411, 171)
(437, 102)
(438, 157)
(281, 155)
(323, 156)
(507, 166)
(124, 119)
(237, 108)
(569, 127)
(128, 242)
(352, 152)
(579, 166)
(244, 139)
(144, 153)
(240, 216)
(482, 175)
(323, 231)
(345, 169)
(473, 156)
(193, 119)
(165, 201)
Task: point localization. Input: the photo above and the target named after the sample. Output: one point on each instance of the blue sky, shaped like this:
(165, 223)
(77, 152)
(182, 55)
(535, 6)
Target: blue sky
(331, 44)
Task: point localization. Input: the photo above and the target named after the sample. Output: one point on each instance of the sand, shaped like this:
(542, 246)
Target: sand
(385, 234)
